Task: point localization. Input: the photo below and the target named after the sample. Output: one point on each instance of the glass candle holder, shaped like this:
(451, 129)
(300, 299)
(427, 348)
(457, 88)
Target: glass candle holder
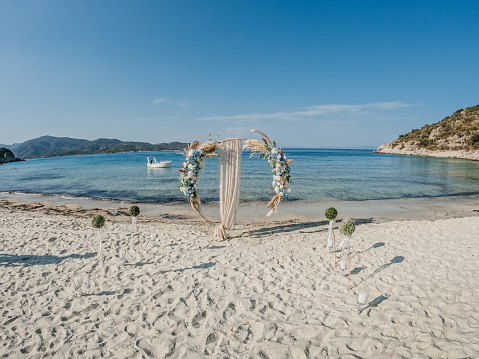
(153, 239)
(363, 299)
(78, 282)
(330, 245)
(123, 255)
(343, 265)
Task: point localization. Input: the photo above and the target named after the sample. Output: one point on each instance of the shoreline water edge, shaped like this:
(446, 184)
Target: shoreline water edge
(378, 210)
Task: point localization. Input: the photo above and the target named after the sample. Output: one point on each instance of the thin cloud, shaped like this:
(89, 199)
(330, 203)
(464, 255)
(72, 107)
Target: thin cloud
(307, 113)
(182, 104)
(159, 100)
(135, 120)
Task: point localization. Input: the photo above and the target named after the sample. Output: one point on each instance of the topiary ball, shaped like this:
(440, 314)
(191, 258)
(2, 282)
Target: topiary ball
(331, 213)
(134, 211)
(98, 221)
(347, 226)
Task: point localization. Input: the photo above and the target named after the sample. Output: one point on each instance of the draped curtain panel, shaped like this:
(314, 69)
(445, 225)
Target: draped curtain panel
(229, 171)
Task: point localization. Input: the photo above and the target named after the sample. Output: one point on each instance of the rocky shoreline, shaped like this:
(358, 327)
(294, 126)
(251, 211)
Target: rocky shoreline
(411, 150)
(7, 156)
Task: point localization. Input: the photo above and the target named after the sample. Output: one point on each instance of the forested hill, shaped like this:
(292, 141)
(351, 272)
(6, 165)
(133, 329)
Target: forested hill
(49, 146)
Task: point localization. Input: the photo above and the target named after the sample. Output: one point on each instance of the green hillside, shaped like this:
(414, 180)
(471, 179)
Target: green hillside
(460, 131)
(50, 146)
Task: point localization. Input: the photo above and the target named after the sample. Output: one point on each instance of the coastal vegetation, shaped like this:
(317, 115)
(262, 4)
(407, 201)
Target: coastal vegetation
(460, 131)
(455, 136)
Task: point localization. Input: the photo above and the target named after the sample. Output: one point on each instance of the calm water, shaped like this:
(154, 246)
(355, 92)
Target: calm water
(317, 174)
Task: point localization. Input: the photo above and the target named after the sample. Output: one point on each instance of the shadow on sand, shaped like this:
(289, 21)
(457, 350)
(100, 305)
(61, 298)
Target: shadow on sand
(200, 266)
(28, 260)
(397, 259)
(304, 227)
(375, 302)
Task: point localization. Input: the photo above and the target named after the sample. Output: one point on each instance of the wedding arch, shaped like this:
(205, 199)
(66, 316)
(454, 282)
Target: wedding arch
(229, 153)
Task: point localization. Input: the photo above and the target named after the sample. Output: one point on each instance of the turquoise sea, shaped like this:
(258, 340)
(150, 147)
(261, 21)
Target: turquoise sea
(317, 174)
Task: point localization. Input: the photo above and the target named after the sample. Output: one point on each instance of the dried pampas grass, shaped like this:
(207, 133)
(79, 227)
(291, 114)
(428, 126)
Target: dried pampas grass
(255, 145)
(208, 148)
(194, 145)
(195, 203)
(274, 201)
(264, 138)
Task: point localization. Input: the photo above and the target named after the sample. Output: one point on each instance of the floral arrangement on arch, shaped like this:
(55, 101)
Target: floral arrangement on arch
(276, 159)
(192, 167)
(194, 162)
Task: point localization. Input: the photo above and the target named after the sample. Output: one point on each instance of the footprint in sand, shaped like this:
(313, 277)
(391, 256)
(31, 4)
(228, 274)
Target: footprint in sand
(211, 342)
(230, 311)
(198, 318)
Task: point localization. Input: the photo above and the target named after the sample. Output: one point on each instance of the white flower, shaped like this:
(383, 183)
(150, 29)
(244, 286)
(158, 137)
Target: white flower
(276, 189)
(191, 166)
(191, 174)
(277, 178)
(274, 150)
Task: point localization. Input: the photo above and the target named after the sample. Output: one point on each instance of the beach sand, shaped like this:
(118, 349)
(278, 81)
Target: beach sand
(276, 294)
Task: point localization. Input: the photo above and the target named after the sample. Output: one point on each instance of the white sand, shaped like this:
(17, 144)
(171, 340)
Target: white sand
(275, 295)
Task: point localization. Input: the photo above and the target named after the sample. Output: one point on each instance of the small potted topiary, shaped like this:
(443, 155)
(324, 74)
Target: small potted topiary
(346, 227)
(98, 221)
(134, 212)
(331, 214)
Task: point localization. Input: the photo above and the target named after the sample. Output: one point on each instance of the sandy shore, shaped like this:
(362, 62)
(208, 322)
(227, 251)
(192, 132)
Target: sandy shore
(274, 295)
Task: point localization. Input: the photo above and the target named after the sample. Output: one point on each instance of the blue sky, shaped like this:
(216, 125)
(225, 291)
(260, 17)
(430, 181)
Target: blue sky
(307, 73)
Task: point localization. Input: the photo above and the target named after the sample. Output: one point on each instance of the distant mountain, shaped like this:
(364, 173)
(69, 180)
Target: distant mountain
(11, 147)
(49, 146)
(456, 136)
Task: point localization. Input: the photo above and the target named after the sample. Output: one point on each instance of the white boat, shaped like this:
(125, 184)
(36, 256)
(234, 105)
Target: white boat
(153, 163)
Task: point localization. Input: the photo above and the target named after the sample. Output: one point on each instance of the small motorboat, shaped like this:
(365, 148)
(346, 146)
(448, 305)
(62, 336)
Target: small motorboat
(153, 163)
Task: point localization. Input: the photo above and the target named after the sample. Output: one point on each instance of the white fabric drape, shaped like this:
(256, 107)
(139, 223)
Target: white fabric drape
(229, 172)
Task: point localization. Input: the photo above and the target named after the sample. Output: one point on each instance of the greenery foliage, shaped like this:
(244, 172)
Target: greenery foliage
(347, 227)
(464, 124)
(98, 221)
(134, 211)
(331, 213)
(474, 139)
